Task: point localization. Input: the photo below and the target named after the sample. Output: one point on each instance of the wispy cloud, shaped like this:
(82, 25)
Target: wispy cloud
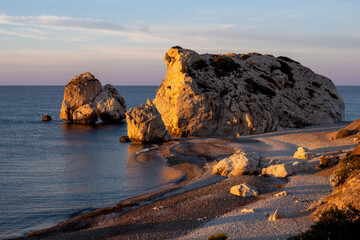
(83, 24)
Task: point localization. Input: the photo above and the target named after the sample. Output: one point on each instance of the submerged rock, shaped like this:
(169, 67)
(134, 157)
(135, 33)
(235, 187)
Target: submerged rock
(85, 100)
(46, 118)
(242, 94)
(238, 164)
(145, 124)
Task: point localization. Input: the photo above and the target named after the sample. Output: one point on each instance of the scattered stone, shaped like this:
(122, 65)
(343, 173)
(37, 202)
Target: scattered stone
(157, 208)
(242, 94)
(331, 139)
(266, 214)
(244, 190)
(251, 210)
(124, 139)
(144, 124)
(238, 164)
(301, 153)
(279, 194)
(276, 215)
(279, 170)
(46, 118)
(356, 139)
(86, 90)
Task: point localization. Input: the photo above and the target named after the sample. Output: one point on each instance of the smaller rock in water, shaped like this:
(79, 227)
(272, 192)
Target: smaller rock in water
(86, 114)
(301, 153)
(276, 215)
(279, 170)
(46, 118)
(124, 139)
(244, 190)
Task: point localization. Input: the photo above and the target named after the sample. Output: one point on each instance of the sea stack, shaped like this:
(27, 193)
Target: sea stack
(242, 94)
(85, 100)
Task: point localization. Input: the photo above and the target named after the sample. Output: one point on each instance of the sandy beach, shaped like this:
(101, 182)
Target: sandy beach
(202, 204)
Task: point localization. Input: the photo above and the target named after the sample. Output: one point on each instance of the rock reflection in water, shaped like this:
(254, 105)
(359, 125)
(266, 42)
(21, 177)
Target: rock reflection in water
(144, 161)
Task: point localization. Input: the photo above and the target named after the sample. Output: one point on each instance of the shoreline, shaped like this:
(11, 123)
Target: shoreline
(135, 218)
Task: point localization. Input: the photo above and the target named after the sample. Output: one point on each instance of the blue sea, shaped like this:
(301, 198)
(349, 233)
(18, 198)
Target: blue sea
(52, 171)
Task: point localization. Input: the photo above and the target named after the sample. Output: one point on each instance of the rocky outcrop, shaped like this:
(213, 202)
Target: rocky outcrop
(238, 164)
(85, 101)
(242, 94)
(279, 170)
(352, 129)
(110, 105)
(145, 124)
(244, 190)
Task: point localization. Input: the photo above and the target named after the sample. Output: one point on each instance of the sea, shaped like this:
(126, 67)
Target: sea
(53, 171)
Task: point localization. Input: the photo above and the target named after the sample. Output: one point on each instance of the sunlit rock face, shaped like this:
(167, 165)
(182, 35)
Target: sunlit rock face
(85, 100)
(144, 124)
(242, 94)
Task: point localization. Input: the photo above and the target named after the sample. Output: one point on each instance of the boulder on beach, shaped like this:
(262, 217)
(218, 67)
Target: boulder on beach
(145, 124)
(301, 153)
(279, 170)
(241, 94)
(244, 190)
(85, 100)
(238, 164)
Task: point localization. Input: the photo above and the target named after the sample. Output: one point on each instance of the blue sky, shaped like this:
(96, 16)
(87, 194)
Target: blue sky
(48, 42)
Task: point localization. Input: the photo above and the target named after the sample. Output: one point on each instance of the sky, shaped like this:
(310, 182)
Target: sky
(123, 42)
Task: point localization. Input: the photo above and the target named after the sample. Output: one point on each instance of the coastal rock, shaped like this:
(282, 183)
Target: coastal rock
(85, 114)
(145, 124)
(242, 94)
(279, 170)
(46, 118)
(238, 164)
(111, 107)
(244, 190)
(83, 93)
(301, 153)
(356, 150)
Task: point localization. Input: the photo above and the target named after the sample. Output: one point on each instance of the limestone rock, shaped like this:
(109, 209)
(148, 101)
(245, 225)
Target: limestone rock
(238, 164)
(245, 210)
(244, 190)
(79, 91)
(145, 124)
(276, 215)
(242, 94)
(86, 90)
(279, 170)
(111, 106)
(46, 118)
(301, 153)
(86, 114)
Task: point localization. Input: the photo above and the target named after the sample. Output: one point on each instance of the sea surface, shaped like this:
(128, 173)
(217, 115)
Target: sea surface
(52, 171)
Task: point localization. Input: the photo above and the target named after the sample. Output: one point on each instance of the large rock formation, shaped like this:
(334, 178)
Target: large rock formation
(242, 94)
(145, 124)
(85, 100)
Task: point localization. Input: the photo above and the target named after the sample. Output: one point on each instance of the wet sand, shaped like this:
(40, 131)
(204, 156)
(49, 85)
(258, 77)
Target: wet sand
(187, 209)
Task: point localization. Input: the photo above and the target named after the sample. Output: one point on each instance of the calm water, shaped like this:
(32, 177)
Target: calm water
(50, 171)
